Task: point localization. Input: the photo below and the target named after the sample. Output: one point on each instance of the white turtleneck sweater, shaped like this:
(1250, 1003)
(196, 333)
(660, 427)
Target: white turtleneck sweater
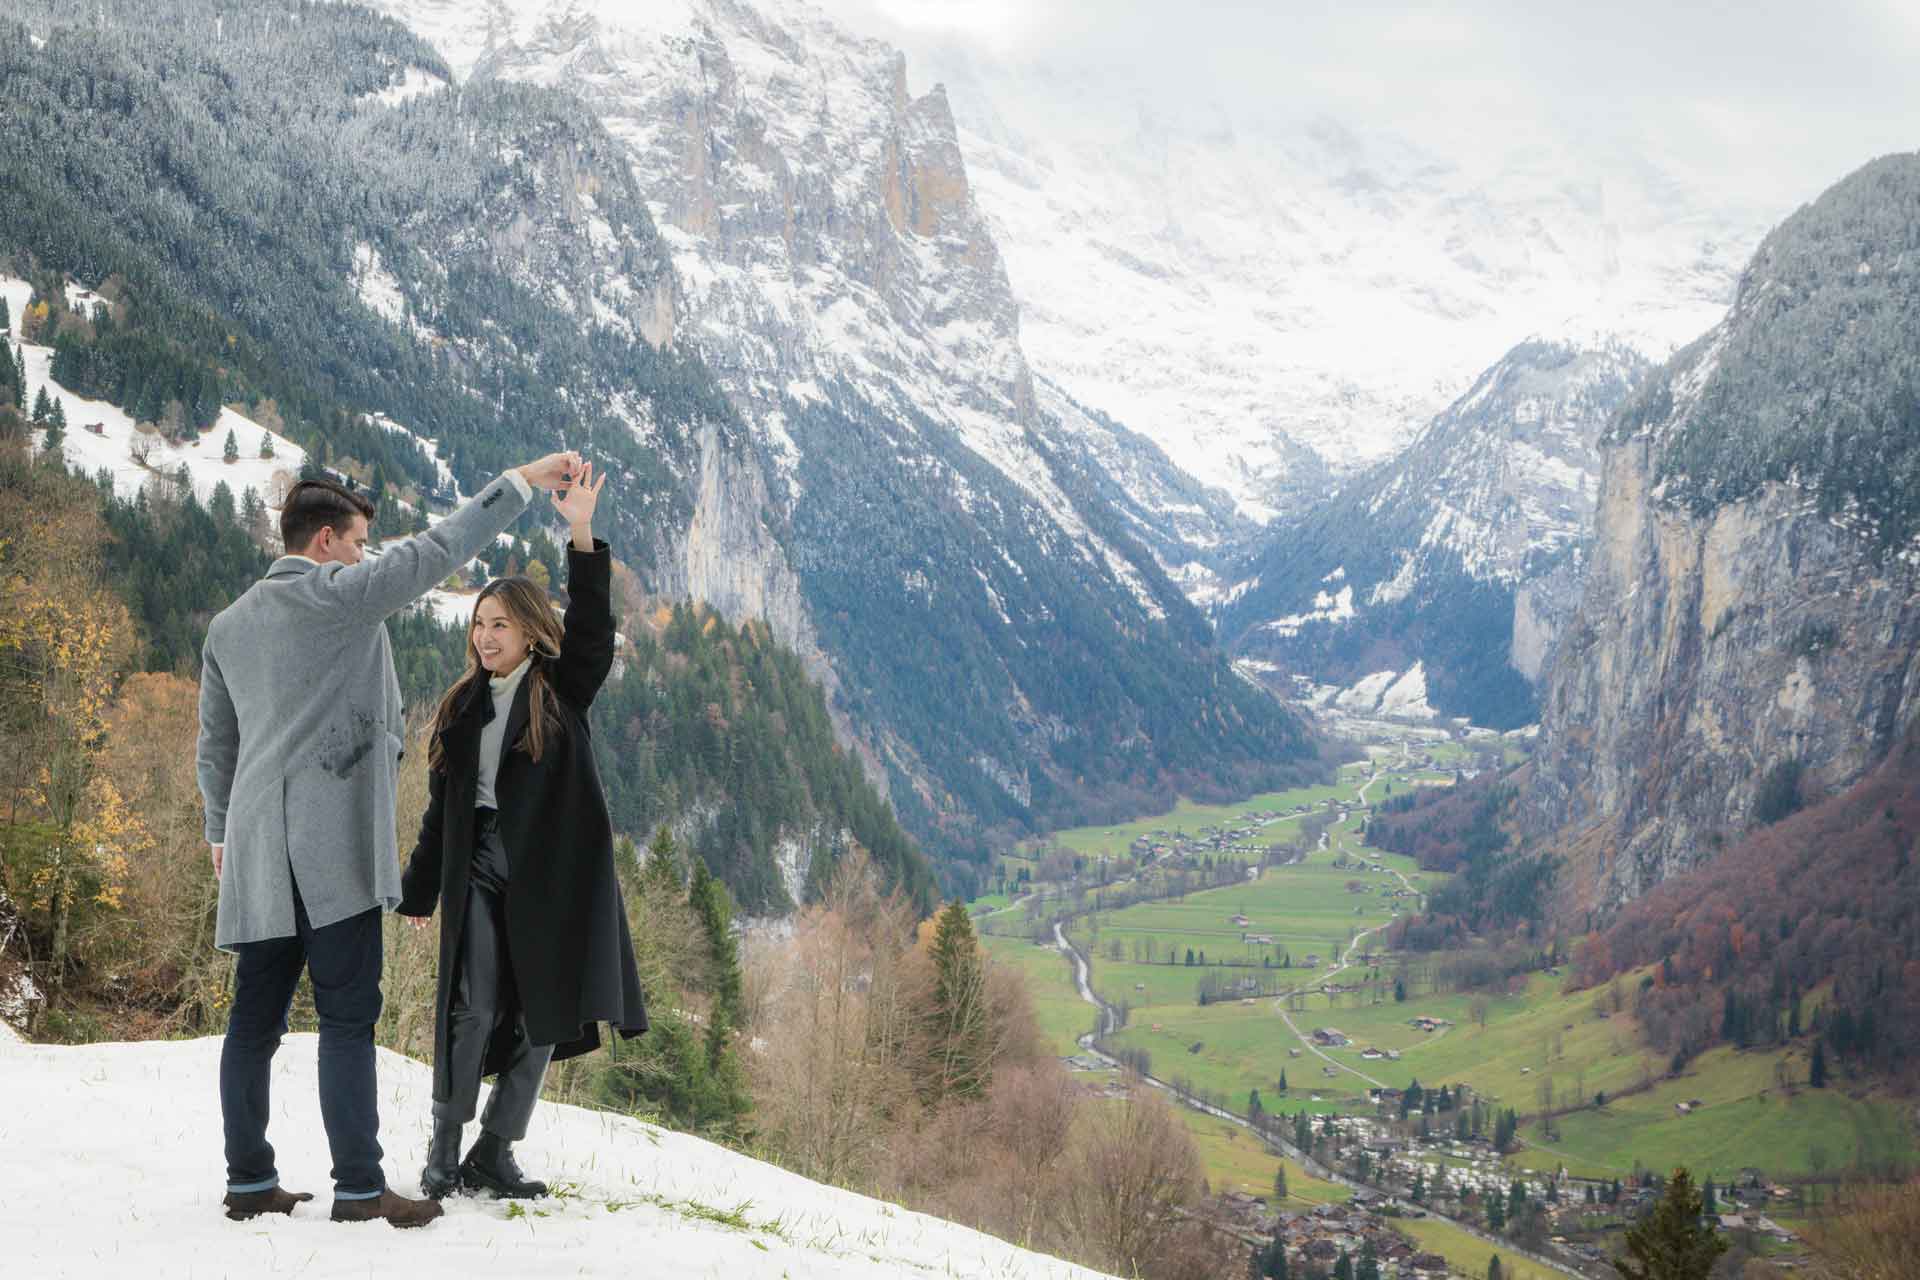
(493, 734)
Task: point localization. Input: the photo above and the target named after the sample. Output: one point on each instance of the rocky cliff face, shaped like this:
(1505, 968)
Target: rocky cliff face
(990, 600)
(1747, 634)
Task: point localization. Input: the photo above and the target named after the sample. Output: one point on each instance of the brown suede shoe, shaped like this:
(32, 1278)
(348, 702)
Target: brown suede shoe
(242, 1205)
(396, 1209)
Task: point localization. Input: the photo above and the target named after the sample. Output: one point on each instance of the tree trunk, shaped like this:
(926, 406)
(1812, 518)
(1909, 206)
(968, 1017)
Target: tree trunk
(62, 908)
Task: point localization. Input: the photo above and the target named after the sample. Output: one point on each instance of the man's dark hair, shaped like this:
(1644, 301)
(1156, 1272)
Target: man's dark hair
(312, 505)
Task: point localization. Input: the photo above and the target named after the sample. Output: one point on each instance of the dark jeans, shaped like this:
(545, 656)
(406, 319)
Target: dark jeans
(485, 999)
(344, 960)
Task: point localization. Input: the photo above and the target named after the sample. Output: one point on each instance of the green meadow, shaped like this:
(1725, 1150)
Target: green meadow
(1235, 1160)
(1746, 1120)
(1190, 818)
(1528, 1038)
(1469, 1254)
(1062, 1015)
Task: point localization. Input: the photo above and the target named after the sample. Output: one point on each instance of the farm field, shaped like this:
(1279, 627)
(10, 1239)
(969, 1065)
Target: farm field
(1746, 1120)
(1469, 1254)
(1235, 1160)
(1306, 909)
(1057, 1007)
(1536, 1035)
(1189, 817)
(1241, 1049)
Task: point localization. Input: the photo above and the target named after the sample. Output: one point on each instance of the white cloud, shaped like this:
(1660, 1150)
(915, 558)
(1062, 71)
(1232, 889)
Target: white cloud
(1770, 100)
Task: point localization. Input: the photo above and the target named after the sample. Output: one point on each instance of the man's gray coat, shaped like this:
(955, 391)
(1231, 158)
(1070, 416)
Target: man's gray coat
(301, 724)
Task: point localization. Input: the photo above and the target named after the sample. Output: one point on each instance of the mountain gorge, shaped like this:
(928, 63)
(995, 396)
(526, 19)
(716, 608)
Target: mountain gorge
(1456, 557)
(1272, 296)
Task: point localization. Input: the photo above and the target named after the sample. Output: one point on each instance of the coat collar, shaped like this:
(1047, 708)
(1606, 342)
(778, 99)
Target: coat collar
(289, 566)
(516, 717)
(476, 709)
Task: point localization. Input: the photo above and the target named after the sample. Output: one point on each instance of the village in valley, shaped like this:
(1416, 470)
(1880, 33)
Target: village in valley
(1359, 1110)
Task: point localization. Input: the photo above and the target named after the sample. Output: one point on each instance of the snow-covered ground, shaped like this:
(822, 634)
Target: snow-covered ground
(113, 1168)
(113, 446)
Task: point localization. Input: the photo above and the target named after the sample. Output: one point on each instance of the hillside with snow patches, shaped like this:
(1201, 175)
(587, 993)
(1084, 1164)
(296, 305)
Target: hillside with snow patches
(136, 456)
(103, 437)
(113, 1168)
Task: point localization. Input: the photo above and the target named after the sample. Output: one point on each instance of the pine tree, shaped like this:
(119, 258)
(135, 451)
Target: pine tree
(1672, 1243)
(6, 316)
(1343, 1269)
(1273, 1263)
(957, 1020)
(727, 1099)
(1283, 1079)
(1817, 1073)
(661, 874)
(230, 452)
(56, 426)
(253, 511)
(1369, 1268)
(266, 444)
(19, 377)
(1280, 1182)
(1494, 1270)
(711, 903)
(1496, 1213)
(42, 407)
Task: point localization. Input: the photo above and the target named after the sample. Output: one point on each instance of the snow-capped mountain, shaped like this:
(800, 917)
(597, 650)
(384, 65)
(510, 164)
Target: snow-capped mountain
(1267, 298)
(1441, 575)
(116, 1148)
(968, 566)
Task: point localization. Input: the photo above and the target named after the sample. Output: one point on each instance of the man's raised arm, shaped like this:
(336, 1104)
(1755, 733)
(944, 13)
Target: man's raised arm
(403, 572)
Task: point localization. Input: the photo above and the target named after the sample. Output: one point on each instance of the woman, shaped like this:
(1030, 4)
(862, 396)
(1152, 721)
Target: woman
(517, 847)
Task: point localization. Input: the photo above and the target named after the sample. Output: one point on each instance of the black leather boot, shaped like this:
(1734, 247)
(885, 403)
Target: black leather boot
(490, 1165)
(441, 1176)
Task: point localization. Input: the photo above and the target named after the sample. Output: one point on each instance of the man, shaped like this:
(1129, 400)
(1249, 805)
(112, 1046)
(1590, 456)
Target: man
(300, 735)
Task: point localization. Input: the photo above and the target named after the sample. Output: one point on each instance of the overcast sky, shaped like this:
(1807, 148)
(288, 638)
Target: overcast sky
(1775, 99)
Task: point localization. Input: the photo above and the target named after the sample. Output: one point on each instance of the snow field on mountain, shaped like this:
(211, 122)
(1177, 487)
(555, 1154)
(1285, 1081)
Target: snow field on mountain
(114, 1168)
(112, 447)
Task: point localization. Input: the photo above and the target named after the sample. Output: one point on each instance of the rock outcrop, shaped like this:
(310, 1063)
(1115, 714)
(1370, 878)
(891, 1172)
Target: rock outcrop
(1747, 635)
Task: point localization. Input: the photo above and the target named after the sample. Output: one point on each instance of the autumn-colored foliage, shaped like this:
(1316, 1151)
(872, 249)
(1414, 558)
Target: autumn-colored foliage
(1830, 895)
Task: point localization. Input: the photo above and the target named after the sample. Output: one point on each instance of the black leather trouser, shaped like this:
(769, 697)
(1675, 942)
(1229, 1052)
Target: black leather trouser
(485, 997)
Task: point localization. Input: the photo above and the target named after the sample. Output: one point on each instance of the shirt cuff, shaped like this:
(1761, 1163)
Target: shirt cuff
(513, 477)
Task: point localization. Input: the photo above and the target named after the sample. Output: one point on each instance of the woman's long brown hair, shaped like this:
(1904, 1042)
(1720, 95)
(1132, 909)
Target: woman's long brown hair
(526, 603)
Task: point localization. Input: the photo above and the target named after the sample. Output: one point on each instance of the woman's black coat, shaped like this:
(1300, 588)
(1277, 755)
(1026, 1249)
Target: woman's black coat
(566, 923)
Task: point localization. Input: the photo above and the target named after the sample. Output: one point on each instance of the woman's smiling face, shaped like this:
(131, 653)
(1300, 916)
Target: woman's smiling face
(499, 641)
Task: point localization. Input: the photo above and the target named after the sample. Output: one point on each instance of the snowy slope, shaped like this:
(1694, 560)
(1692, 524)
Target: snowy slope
(115, 446)
(116, 1147)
